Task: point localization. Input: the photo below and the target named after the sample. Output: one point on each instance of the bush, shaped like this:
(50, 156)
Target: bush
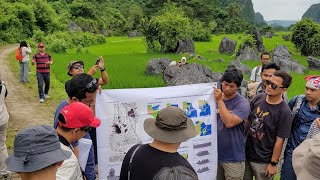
(200, 32)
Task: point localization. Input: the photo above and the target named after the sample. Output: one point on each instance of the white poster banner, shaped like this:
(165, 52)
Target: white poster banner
(123, 111)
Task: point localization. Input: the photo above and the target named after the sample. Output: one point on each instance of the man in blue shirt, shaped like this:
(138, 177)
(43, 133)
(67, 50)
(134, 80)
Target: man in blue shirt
(81, 88)
(233, 111)
(308, 112)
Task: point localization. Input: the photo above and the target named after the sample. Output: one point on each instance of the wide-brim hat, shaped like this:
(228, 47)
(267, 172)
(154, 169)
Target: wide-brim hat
(71, 64)
(306, 159)
(36, 148)
(36, 162)
(170, 126)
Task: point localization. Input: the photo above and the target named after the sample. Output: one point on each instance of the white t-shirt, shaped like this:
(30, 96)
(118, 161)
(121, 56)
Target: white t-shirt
(256, 76)
(4, 115)
(25, 51)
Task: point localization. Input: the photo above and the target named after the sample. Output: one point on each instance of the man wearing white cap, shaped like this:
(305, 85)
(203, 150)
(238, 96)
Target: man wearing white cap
(307, 113)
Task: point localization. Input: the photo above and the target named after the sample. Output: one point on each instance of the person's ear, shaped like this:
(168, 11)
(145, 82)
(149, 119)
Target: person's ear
(74, 99)
(283, 90)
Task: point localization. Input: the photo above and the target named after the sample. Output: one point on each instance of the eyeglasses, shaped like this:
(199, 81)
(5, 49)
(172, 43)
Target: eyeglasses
(77, 66)
(91, 86)
(86, 129)
(273, 86)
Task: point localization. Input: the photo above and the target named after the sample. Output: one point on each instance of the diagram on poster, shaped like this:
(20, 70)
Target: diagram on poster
(123, 112)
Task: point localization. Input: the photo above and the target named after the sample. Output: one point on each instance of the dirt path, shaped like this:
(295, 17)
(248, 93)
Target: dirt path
(22, 103)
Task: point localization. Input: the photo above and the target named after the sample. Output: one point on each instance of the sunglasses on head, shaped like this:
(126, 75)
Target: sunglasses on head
(77, 66)
(93, 85)
(273, 86)
(86, 129)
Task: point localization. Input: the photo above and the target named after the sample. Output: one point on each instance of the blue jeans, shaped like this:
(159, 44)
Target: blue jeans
(24, 71)
(287, 172)
(43, 77)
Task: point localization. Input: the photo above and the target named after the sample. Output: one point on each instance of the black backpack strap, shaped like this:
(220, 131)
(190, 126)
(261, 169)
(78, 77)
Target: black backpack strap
(130, 162)
(256, 73)
(295, 110)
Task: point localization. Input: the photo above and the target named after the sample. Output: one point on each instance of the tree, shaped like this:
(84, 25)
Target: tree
(169, 26)
(303, 34)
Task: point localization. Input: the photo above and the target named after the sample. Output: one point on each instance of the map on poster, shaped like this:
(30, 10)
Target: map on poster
(123, 111)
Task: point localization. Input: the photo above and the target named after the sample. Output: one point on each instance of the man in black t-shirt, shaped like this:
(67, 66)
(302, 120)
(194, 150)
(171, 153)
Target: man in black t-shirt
(169, 129)
(269, 123)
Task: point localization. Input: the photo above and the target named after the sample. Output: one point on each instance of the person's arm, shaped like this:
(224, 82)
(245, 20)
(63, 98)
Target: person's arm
(253, 75)
(104, 76)
(50, 60)
(229, 120)
(247, 126)
(34, 60)
(28, 49)
(277, 149)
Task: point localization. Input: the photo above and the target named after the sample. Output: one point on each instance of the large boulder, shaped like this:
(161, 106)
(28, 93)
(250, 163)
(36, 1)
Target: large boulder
(282, 57)
(286, 37)
(188, 74)
(268, 35)
(313, 63)
(156, 66)
(227, 45)
(134, 34)
(73, 27)
(259, 42)
(243, 68)
(186, 45)
(248, 53)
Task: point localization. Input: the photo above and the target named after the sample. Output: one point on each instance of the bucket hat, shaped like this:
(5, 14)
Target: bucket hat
(170, 126)
(306, 159)
(73, 63)
(36, 148)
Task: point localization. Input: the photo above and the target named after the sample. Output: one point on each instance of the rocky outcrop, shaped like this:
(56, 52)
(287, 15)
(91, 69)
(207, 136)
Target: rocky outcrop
(184, 46)
(227, 45)
(156, 66)
(243, 68)
(248, 53)
(134, 34)
(73, 27)
(286, 37)
(257, 37)
(188, 74)
(313, 63)
(282, 57)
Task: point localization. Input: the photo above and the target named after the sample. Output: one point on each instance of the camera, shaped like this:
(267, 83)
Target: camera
(97, 62)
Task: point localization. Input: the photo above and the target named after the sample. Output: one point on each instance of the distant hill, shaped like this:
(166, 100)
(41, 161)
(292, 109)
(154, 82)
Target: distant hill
(283, 23)
(313, 12)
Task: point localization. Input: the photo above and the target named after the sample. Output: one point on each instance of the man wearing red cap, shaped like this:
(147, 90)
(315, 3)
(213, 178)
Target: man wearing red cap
(74, 121)
(43, 61)
(307, 108)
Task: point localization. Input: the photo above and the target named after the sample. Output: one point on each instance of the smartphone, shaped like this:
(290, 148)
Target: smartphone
(97, 62)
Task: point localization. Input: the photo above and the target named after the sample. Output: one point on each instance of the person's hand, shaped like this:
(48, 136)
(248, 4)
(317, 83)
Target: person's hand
(93, 70)
(271, 170)
(101, 63)
(318, 122)
(33, 62)
(217, 93)
(99, 89)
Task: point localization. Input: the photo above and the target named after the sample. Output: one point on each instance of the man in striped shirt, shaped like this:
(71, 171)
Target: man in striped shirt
(43, 61)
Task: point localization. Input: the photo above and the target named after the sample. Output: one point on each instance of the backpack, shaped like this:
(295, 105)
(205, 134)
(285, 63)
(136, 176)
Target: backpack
(295, 110)
(19, 56)
(256, 73)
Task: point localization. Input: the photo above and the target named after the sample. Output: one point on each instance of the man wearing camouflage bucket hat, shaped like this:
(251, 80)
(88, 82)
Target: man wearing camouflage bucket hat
(168, 129)
(37, 153)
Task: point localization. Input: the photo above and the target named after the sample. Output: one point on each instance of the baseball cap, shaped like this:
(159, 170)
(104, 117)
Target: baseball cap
(36, 148)
(170, 126)
(41, 45)
(77, 115)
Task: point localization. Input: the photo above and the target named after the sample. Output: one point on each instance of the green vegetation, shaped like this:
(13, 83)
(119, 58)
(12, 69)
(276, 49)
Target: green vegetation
(126, 60)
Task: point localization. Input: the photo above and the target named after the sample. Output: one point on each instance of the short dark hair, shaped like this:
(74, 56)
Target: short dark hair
(23, 44)
(76, 87)
(270, 65)
(232, 75)
(286, 78)
(264, 53)
(175, 173)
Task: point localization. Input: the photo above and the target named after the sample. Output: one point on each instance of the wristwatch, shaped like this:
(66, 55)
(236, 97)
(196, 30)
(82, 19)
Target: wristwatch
(273, 163)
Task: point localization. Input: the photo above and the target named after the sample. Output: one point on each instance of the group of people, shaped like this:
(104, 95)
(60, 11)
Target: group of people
(251, 131)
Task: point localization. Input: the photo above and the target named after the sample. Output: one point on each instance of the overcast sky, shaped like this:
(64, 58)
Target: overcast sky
(282, 9)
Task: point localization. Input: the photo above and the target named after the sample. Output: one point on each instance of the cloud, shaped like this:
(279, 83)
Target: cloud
(282, 9)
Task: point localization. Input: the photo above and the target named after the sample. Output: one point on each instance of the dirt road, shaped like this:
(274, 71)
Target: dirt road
(22, 103)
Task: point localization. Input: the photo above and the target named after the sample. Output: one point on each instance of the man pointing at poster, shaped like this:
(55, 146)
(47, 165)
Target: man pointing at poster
(233, 111)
